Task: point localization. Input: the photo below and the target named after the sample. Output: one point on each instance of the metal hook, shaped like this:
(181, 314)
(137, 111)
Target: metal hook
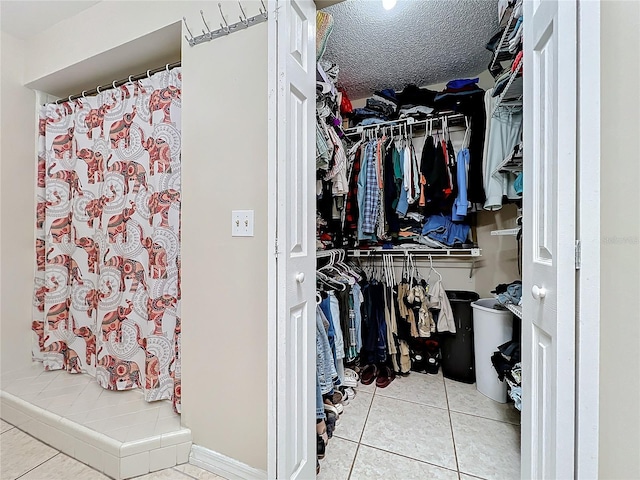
(244, 20)
(263, 10)
(224, 27)
(205, 23)
(184, 19)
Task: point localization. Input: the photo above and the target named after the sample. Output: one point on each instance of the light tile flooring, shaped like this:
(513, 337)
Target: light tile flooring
(424, 426)
(25, 458)
(80, 399)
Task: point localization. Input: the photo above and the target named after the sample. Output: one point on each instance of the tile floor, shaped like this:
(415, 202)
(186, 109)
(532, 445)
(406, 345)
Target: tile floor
(424, 426)
(25, 458)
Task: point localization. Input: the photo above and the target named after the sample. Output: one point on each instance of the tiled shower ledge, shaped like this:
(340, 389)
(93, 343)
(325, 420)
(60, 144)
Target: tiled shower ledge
(117, 433)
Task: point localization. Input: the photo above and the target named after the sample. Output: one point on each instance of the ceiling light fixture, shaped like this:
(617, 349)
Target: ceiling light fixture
(389, 4)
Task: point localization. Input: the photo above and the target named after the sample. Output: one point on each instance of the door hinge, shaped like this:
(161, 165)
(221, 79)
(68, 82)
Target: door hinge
(578, 255)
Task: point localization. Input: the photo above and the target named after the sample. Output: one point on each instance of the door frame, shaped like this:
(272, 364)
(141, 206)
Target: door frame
(588, 232)
(272, 223)
(587, 363)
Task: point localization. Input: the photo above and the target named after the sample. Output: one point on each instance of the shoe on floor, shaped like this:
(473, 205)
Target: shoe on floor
(369, 374)
(351, 373)
(337, 396)
(320, 447)
(385, 377)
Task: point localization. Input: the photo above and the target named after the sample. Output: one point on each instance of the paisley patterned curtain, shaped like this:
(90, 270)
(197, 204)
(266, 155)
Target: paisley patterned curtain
(107, 286)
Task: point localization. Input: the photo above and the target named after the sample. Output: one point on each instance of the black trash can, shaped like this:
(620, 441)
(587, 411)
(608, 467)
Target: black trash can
(457, 349)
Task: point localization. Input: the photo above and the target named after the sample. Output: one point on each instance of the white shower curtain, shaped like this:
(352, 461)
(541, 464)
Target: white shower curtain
(107, 286)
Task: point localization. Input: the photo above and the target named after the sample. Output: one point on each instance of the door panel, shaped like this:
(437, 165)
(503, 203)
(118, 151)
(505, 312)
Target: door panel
(295, 114)
(548, 328)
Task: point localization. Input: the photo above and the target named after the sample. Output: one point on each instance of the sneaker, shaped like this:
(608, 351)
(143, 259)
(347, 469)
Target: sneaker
(337, 397)
(345, 396)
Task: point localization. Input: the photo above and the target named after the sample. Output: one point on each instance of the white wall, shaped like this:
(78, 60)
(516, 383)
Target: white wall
(17, 205)
(224, 162)
(620, 243)
(224, 157)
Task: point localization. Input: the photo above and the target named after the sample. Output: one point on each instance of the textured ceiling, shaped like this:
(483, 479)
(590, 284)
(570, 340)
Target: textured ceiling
(419, 41)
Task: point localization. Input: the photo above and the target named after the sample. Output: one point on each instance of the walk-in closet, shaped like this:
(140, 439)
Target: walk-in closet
(419, 188)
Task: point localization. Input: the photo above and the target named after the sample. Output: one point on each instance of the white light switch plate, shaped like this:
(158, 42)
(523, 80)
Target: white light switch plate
(242, 223)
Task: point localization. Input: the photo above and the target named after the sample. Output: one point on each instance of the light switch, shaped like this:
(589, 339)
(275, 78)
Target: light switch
(242, 223)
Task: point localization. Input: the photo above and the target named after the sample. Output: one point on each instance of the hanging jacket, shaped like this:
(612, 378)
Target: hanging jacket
(438, 300)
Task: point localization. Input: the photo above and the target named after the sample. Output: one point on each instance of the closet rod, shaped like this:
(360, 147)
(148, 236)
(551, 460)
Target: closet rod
(403, 121)
(118, 83)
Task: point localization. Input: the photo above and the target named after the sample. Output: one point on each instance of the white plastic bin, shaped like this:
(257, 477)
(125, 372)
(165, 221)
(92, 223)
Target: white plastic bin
(491, 328)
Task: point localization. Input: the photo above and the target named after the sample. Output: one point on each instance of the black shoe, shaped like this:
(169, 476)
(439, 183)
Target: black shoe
(320, 446)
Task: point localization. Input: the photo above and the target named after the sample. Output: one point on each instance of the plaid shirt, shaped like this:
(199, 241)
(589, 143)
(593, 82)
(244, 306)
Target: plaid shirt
(372, 191)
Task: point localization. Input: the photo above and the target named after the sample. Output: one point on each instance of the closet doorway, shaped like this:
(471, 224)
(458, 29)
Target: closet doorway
(552, 412)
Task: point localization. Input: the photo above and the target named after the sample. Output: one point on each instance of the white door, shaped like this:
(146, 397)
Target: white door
(296, 243)
(548, 328)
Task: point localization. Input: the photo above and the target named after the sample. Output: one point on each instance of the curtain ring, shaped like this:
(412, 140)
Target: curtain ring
(130, 81)
(148, 74)
(167, 67)
(83, 94)
(113, 84)
(69, 98)
(98, 89)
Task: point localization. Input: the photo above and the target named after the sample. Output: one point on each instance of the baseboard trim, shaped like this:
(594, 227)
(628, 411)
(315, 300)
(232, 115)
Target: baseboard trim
(227, 467)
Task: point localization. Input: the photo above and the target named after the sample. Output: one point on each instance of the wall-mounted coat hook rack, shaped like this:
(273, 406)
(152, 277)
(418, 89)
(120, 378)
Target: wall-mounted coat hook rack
(225, 27)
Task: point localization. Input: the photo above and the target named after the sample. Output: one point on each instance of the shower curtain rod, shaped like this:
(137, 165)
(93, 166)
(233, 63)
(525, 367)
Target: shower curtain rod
(117, 83)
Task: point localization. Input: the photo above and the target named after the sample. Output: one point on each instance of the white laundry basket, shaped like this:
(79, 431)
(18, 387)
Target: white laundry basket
(491, 328)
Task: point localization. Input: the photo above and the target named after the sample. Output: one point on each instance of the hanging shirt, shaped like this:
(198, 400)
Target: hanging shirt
(338, 173)
(461, 204)
(371, 192)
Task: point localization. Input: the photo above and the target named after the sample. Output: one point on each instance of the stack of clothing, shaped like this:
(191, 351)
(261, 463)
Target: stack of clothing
(381, 107)
(331, 156)
(506, 362)
(510, 293)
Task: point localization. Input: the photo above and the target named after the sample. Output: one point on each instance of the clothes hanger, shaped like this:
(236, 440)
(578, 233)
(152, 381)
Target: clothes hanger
(432, 269)
(329, 282)
(467, 133)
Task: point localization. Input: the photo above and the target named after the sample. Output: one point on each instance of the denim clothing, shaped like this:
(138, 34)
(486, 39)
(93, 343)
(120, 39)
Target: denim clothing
(461, 204)
(335, 319)
(356, 293)
(325, 306)
(443, 230)
(320, 415)
(325, 366)
(374, 349)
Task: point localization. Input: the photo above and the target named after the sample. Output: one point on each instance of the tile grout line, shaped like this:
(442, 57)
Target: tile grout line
(40, 464)
(355, 456)
(185, 473)
(411, 458)
(485, 418)
(453, 438)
